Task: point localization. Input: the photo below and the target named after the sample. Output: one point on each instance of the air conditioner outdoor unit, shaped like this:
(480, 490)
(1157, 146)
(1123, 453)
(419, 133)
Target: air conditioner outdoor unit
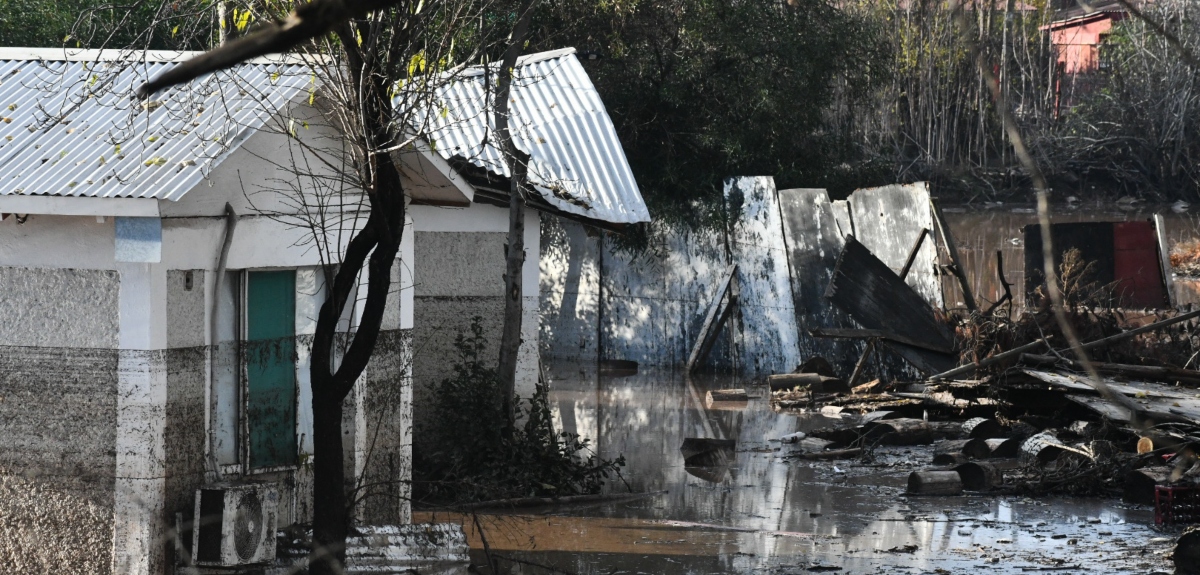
(234, 525)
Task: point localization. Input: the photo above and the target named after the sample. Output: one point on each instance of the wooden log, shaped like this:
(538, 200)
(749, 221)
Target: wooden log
(901, 431)
(979, 476)
(982, 428)
(1187, 553)
(1140, 483)
(870, 388)
(1102, 342)
(707, 452)
(726, 395)
(813, 382)
(971, 367)
(972, 448)
(934, 483)
(1001, 447)
(1042, 448)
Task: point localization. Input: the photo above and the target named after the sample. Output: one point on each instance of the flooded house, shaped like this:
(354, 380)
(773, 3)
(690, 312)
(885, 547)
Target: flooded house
(161, 280)
(579, 175)
(160, 290)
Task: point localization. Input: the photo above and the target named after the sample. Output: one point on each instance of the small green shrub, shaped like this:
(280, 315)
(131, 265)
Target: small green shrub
(478, 457)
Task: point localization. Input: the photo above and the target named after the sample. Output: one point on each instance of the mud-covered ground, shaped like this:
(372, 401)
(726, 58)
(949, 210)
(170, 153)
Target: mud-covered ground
(770, 514)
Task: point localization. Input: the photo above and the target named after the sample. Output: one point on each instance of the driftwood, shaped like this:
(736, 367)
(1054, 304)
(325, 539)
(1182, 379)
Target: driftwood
(1003, 282)
(979, 475)
(934, 483)
(1134, 371)
(1042, 448)
(1136, 332)
(618, 367)
(726, 395)
(813, 382)
(971, 367)
(871, 387)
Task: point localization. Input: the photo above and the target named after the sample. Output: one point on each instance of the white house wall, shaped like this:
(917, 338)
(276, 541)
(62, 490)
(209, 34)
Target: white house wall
(458, 274)
(104, 379)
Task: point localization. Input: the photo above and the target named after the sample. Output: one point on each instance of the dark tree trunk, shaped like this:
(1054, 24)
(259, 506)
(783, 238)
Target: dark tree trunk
(374, 248)
(518, 166)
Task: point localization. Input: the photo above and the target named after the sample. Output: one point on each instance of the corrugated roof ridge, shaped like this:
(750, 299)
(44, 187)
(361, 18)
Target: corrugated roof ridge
(116, 55)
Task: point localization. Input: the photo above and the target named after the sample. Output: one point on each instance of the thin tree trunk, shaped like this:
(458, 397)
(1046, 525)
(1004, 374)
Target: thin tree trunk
(518, 166)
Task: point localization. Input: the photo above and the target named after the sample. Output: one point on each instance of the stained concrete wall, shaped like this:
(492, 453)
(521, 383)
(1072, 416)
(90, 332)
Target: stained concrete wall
(58, 408)
(458, 274)
(570, 291)
(649, 305)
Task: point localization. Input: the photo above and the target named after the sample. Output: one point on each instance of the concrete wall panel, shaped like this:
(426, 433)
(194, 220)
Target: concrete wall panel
(58, 420)
(74, 308)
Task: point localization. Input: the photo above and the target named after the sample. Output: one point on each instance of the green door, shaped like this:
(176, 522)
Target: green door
(271, 368)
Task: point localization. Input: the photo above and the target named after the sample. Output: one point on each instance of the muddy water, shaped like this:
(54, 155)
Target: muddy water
(981, 230)
(769, 514)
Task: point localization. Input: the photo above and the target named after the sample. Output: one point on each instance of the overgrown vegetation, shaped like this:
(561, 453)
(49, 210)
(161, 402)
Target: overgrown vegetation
(478, 458)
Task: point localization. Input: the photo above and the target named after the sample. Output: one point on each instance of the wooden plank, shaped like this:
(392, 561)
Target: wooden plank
(948, 238)
(814, 235)
(871, 293)
(912, 253)
(1164, 258)
(717, 314)
(834, 332)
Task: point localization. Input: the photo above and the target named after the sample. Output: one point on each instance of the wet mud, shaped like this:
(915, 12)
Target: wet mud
(768, 513)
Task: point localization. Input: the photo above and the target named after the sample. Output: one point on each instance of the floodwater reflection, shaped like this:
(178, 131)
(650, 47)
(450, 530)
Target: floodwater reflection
(768, 514)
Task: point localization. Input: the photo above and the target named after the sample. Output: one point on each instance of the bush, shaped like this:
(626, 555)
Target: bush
(479, 457)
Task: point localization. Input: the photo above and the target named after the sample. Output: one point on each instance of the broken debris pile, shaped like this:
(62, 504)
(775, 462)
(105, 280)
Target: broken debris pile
(1036, 426)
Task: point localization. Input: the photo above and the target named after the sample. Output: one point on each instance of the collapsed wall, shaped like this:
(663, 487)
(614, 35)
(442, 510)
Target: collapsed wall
(601, 302)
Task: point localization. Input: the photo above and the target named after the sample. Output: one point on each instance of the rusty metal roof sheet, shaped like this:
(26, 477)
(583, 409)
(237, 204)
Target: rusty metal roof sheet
(576, 160)
(72, 127)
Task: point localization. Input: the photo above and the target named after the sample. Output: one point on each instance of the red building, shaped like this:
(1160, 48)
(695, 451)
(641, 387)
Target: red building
(1077, 34)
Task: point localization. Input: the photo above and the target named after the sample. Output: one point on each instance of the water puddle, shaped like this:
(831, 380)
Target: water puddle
(765, 513)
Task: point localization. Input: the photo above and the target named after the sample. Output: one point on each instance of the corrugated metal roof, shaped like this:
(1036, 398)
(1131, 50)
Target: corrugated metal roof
(71, 126)
(74, 128)
(576, 160)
